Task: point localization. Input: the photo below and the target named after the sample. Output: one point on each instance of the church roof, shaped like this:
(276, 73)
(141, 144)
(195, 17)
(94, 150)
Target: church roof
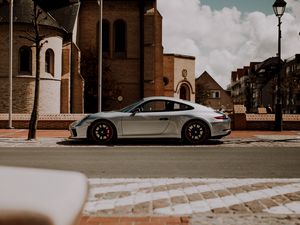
(23, 13)
(60, 15)
(66, 16)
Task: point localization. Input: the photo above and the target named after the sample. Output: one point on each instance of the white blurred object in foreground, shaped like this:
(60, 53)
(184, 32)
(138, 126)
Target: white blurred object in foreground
(42, 197)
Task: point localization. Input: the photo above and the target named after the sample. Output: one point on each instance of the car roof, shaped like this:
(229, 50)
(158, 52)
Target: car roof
(164, 98)
(195, 105)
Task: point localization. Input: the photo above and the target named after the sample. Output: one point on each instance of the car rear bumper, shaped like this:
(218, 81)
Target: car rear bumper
(221, 129)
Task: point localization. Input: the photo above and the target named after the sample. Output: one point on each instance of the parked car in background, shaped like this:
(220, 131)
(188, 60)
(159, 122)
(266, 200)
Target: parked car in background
(154, 117)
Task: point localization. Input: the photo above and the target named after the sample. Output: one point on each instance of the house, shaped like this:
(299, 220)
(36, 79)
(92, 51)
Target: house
(291, 85)
(210, 93)
(255, 86)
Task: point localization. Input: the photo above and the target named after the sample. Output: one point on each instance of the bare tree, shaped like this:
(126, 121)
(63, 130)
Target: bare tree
(37, 39)
(202, 93)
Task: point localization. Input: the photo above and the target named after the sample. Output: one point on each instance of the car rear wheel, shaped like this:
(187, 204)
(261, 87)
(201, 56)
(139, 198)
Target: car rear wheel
(102, 132)
(196, 132)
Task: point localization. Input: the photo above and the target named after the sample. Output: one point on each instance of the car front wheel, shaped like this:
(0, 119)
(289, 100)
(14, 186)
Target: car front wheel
(196, 132)
(102, 132)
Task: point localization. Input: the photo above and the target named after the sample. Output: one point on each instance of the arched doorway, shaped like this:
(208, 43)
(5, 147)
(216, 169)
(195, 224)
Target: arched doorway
(184, 92)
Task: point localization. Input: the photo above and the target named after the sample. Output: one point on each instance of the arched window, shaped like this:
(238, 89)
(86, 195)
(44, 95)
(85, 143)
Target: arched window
(105, 37)
(49, 61)
(25, 56)
(119, 38)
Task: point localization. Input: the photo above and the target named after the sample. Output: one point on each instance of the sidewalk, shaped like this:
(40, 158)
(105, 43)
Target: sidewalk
(22, 133)
(55, 138)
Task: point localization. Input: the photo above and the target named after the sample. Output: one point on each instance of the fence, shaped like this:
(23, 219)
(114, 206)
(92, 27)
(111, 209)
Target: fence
(243, 121)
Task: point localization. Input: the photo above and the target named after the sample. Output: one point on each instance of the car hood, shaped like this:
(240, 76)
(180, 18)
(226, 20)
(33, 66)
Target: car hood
(110, 114)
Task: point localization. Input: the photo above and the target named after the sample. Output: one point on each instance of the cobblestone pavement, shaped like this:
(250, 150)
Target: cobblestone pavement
(205, 201)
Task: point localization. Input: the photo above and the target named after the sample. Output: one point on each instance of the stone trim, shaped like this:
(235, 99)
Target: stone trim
(52, 117)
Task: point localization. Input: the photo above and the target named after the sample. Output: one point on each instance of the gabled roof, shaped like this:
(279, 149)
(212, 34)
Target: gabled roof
(206, 76)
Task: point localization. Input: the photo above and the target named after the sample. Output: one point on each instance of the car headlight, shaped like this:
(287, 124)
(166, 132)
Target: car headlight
(83, 120)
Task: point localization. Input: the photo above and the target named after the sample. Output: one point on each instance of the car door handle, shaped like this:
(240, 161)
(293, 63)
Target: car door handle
(163, 119)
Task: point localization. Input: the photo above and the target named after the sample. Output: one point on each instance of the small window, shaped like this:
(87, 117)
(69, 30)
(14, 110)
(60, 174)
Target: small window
(25, 57)
(49, 61)
(215, 94)
(120, 38)
(166, 81)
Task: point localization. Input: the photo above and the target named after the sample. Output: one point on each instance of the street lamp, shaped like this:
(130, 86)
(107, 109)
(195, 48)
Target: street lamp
(279, 8)
(100, 3)
(11, 15)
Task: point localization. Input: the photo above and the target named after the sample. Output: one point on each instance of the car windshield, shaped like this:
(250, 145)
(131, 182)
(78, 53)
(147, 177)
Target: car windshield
(131, 107)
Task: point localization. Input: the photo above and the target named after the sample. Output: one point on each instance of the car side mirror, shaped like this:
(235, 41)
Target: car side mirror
(135, 111)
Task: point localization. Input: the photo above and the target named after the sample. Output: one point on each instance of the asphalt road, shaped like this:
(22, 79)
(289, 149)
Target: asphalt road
(156, 161)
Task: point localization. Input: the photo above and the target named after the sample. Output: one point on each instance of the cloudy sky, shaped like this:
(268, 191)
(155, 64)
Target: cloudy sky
(224, 35)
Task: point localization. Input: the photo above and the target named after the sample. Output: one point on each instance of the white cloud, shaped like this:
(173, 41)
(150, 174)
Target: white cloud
(225, 40)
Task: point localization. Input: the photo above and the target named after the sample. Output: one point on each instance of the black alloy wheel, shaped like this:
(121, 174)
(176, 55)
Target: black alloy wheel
(102, 132)
(196, 132)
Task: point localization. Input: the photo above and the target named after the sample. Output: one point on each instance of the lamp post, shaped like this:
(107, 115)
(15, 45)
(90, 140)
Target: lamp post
(11, 15)
(100, 3)
(279, 8)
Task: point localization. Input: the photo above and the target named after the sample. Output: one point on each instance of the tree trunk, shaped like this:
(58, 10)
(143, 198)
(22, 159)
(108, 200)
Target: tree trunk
(35, 111)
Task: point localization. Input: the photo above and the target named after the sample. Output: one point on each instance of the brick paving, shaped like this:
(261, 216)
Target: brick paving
(186, 196)
(192, 201)
(147, 220)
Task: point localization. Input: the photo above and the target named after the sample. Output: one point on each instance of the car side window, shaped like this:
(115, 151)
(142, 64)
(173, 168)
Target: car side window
(154, 106)
(163, 106)
(180, 107)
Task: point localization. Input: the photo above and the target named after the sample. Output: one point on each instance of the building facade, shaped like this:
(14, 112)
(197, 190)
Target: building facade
(291, 85)
(59, 61)
(133, 60)
(132, 51)
(211, 94)
(179, 76)
(255, 86)
(132, 55)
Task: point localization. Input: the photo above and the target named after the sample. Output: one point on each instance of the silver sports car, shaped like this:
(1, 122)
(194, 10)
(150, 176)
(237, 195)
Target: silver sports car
(154, 117)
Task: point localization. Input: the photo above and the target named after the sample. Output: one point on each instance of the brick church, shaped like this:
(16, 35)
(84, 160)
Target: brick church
(134, 65)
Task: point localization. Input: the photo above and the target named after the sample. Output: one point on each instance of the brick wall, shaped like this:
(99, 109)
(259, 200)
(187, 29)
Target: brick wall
(24, 84)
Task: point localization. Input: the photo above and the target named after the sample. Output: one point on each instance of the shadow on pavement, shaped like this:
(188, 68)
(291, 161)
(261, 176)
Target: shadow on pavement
(137, 142)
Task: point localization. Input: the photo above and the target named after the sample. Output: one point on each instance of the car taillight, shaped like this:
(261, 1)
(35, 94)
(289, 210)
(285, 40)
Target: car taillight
(222, 117)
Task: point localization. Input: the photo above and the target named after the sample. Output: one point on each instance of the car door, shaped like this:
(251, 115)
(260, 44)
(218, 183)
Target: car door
(149, 119)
